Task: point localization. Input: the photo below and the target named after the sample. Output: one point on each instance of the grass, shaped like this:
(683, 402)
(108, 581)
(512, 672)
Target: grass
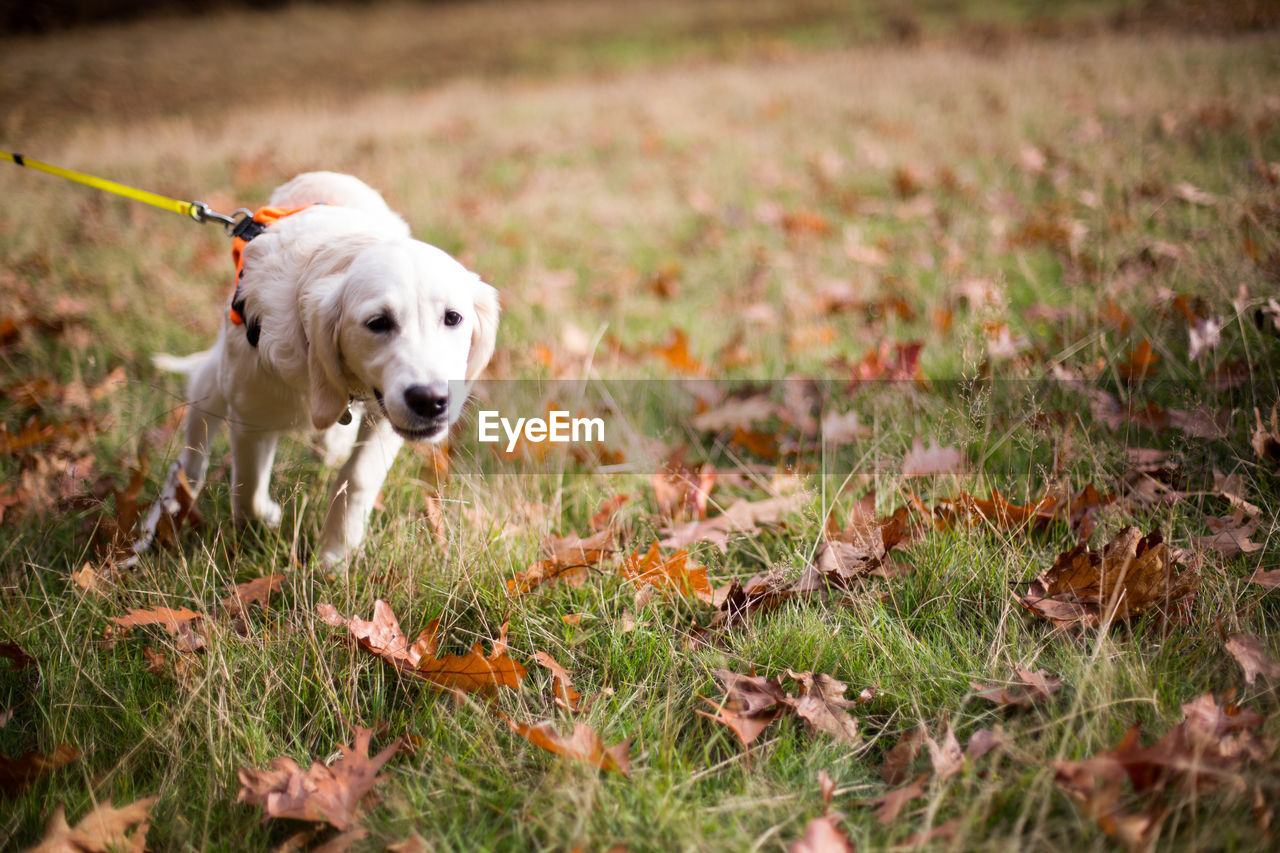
(571, 186)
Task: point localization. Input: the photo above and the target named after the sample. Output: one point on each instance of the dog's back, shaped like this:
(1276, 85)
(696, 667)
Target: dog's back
(329, 188)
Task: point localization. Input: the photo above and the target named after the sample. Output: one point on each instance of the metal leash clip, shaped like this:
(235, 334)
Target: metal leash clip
(201, 212)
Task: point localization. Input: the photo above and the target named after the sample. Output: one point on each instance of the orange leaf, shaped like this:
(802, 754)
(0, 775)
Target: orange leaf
(561, 683)
(669, 573)
(584, 744)
(171, 619)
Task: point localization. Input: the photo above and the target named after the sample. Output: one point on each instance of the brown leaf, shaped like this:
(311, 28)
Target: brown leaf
(1132, 574)
(1232, 536)
(675, 352)
(18, 659)
(750, 694)
(743, 517)
(1141, 362)
(682, 492)
(1095, 785)
(584, 744)
(578, 550)
(321, 794)
(746, 726)
(18, 773)
(822, 835)
(983, 741)
(1031, 687)
(1251, 653)
(822, 705)
(669, 573)
(171, 618)
(256, 591)
(608, 511)
(547, 571)
(561, 683)
(104, 829)
(923, 461)
(1265, 438)
(892, 803)
(471, 672)
(945, 831)
(946, 757)
(898, 760)
(996, 512)
(1267, 580)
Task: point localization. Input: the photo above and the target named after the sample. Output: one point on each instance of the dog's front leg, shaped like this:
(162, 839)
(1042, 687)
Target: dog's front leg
(355, 490)
(252, 452)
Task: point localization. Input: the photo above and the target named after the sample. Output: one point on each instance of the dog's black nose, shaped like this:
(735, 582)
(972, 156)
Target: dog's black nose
(428, 401)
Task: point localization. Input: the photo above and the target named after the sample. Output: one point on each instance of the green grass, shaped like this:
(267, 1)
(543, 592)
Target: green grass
(597, 181)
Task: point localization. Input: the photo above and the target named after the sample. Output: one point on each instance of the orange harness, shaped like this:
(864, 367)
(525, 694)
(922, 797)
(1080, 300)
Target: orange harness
(244, 231)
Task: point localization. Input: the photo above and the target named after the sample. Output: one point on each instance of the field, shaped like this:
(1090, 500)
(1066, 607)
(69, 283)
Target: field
(1036, 258)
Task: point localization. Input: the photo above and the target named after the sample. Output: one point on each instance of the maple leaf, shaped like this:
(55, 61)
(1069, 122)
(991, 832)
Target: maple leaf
(321, 794)
(822, 705)
(256, 591)
(742, 517)
(1032, 687)
(383, 637)
(584, 744)
(923, 461)
(18, 773)
(1132, 573)
(561, 683)
(669, 573)
(105, 828)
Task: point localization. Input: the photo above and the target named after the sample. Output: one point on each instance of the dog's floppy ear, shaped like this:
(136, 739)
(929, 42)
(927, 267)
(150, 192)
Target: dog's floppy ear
(485, 333)
(329, 398)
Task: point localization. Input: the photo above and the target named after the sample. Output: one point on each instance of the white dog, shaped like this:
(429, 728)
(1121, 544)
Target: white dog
(344, 323)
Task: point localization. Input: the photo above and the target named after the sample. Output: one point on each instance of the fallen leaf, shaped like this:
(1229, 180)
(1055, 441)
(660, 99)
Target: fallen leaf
(741, 518)
(18, 773)
(471, 672)
(321, 794)
(608, 511)
(923, 461)
(821, 835)
(983, 741)
(746, 726)
(1265, 439)
(1251, 653)
(946, 757)
(171, 618)
(682, 492)
(822, 705)
(1140, 363)
(669, 573)
(1232, 538)
(1267, 580)
(892, 803)
(256, 591)
(584, 744)
(18, 659)
(898, 760)
(103, 829)
(1031, 688)
(1132, 574)
(561, 683)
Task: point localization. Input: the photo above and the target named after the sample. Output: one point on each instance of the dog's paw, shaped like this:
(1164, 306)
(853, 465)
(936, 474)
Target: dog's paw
(268, 512)
(333, 561)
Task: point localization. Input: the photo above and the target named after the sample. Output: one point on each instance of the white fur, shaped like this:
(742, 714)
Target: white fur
(313, 280)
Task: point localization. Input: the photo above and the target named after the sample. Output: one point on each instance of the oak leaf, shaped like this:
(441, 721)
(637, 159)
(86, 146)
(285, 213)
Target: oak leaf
(822, 705)
(321, 794)
(891, 803)
(104, 829)
(256, 591)
(898, 760)
(742, 517)
(1251, 653)
(171, 618)
(561, 682)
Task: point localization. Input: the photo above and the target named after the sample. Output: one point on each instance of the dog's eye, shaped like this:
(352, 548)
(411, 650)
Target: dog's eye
(452, 318)
(380, 323)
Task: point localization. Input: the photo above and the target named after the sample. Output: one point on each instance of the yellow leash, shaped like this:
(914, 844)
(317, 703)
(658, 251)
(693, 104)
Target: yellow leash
(197, 210)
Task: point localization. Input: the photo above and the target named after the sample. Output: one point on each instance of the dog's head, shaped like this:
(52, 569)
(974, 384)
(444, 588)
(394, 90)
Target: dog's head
(410, 324)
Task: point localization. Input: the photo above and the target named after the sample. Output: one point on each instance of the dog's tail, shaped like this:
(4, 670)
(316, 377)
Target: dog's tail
(187, 364)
